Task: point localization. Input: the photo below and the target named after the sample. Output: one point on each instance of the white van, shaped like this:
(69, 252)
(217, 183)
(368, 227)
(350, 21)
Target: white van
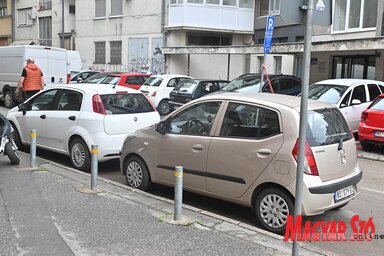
(52, 61)
(74, 62)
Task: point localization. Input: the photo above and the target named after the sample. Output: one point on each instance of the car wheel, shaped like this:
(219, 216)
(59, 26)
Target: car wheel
(164, 108)
(9, 101)
(272, 207)
(79, 155)
(136, 173)
(366, 146)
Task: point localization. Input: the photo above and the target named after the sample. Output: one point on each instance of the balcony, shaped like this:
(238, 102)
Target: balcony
(45, 4)
(211, 17)
(3, 11)
(45, 42)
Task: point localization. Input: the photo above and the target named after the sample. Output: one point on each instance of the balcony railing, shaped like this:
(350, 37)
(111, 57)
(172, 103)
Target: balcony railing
(3, 11)
(45, 4)
(45, 42)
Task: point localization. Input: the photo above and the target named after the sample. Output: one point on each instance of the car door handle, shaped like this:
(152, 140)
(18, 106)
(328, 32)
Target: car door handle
(43, 116)
(264, 152)
(198, 147)
(72, 118)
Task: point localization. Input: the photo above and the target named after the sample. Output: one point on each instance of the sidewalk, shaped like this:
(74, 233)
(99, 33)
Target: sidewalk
(49, 211)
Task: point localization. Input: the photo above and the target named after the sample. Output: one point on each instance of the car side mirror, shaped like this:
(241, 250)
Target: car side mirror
(23, 107)
(79, 79)
(355, 102)
(161, 127)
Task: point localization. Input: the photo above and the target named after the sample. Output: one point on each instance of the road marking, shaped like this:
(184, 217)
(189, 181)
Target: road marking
(372, 190)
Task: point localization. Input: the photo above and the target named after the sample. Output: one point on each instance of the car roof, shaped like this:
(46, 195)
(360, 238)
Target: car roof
(347, 81)
(206, 80)
(271, 76)
(96, 88)
(269, 99)
(170, 76)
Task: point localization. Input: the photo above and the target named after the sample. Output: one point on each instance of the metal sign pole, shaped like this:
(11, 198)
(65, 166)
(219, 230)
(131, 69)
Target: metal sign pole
(303, 117)
(267, 45)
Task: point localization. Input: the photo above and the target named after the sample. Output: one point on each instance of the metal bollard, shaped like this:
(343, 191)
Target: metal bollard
(33, 148)
(94, 166)
(178, 193)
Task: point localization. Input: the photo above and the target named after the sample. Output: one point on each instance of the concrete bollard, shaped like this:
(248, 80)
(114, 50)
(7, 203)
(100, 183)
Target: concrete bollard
(94, 166)
(33, 148)
(178, 193)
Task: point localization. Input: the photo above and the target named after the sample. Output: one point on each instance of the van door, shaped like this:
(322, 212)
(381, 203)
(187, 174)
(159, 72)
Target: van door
(57, 67)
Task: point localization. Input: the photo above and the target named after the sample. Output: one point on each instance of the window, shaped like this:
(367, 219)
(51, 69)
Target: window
(173, 82)
(116, 7)
(196, 1)
(378, 104)
(208, 39)
(195, 120)
(249, 122)
(359, 94)
(278, 60)
(45, 4)
(363, 67)
(45, 31)
(3, 8)
(260, 60)
(246, 4)
(72, 9)
(229, 2)
(100, 8)
(217, 2)
(268, 7)
(134, 80)
(120, 103)
(373, 91)
(70, 101)
(354, 14)
(23, 17)
(345, 101)
(99, 53)
(176, 2)
(44, 101)
(115, 48)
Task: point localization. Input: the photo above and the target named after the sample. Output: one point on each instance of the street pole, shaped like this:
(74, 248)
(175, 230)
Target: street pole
(262, 73)
(303, 118)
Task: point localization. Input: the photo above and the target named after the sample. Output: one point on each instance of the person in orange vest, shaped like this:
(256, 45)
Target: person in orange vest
(31, 81)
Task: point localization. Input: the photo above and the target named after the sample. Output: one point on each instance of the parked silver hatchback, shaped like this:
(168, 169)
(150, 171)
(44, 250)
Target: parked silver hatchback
(243, 148)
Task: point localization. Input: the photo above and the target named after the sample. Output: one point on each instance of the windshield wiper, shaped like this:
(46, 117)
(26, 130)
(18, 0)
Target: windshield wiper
(341, 144)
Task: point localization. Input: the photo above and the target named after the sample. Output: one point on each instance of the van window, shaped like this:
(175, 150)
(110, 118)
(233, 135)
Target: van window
(120, 103)
(326, 126)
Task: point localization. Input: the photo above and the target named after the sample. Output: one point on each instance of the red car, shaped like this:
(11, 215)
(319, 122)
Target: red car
(130, 80)
(371, 129)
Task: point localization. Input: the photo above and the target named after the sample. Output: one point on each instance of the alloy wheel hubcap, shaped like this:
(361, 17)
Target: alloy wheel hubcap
(78, 155)
(164, 108)
(134, 174)
(274, 211)
(7, 100)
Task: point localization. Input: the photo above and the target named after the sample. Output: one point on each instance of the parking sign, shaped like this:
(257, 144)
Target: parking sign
(268, 34)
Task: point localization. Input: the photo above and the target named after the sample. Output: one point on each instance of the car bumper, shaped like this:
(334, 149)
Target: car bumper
(319, 196)
(367, 133)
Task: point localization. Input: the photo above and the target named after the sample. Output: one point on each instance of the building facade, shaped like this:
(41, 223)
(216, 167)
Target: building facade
(5, 22)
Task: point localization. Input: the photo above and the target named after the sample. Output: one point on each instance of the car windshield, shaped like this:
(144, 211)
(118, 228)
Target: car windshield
(110, 80)
(153, 81)
(378, 104)
(244, 84)
(326, 126)
(120, 103)
(95, 78)
(186, 86)
(328, 93)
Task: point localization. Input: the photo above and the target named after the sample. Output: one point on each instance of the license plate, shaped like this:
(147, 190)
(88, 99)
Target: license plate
(379, 134)
(344, 193)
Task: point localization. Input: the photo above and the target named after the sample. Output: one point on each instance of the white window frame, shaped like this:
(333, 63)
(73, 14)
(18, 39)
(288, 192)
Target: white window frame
(278, 64)
(275, 13)
(176, 2)
(105, 14)
(346, 29)
(26, 12)
(121, 9)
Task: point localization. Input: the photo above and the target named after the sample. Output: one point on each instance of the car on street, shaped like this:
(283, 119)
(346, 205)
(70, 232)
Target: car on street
(69, 120)
(281, 84)
(81, 76)
(130, 80)
(351, 96)
(371, 129)
(158, 88)
(188, 90)
(96, 78)
(243, 148)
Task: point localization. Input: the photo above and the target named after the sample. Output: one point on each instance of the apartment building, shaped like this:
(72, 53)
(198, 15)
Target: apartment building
(5, 22)
(41, 22)
(120, 35)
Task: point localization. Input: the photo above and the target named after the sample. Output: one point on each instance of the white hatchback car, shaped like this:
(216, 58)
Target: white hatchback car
(158, 88)
(351, 96)
(70, 119)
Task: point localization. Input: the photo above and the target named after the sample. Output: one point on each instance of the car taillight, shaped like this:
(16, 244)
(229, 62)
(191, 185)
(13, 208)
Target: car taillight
(68, 78)
(310, 166)
(97, 105)
(154, 94)
(364, 116)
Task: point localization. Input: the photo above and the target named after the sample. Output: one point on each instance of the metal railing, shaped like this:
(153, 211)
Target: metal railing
(45, 4)
(45, 42)
(3, 11)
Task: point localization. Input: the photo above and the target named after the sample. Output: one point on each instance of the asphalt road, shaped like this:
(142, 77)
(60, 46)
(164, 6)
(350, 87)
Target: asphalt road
(369, 203)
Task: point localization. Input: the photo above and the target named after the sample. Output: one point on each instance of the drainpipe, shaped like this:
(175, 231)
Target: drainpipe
(163, 6)
(62, 24)
(13, 23)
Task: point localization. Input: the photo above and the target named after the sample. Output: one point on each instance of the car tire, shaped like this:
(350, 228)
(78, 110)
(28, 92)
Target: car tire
(9, 101)
(164, 108)
(366, 146)
(137, 174)
(16, 138)
(79, 155)
(272, 207)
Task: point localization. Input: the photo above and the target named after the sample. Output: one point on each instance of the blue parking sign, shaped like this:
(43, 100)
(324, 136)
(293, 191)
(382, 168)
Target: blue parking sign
(270, 24)
(268, 34)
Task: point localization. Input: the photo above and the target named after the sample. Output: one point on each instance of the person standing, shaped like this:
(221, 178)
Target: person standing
(31, 81)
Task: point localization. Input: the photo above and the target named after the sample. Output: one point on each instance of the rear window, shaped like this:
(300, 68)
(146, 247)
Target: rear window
(116, 104)
(326, 92)
(153, 81)
(326, 126)
(378, 104)
(244, 84)
(186, 87)
(110, 80)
